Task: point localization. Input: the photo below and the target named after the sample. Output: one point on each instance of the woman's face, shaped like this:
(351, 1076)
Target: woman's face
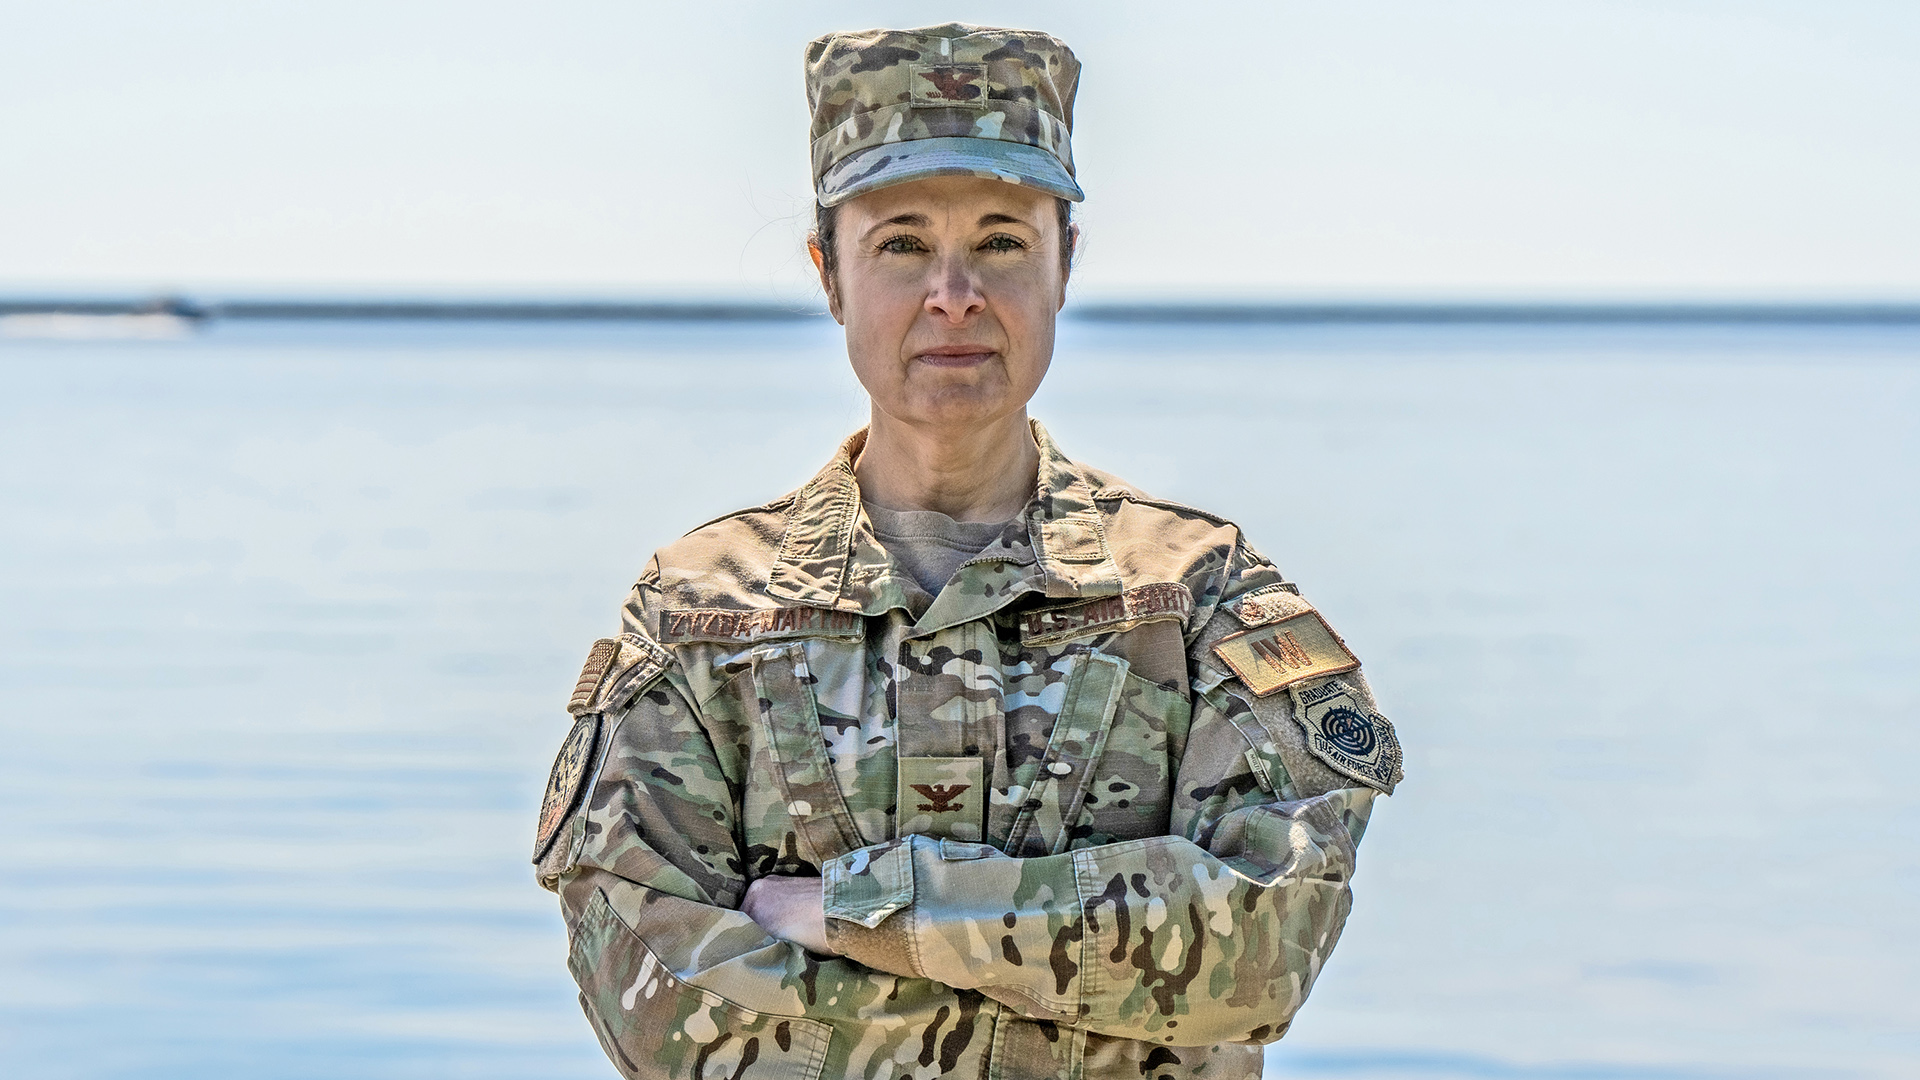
(948, 288)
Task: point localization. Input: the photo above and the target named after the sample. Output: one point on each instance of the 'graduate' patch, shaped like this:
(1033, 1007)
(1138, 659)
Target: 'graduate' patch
(1348, 735)
(1294, 649)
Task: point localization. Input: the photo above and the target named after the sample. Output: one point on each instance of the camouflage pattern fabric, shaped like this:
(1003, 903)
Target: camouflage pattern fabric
(894, 105)
(1166, 856)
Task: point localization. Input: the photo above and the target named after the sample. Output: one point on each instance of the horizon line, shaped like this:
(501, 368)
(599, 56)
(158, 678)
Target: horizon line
(1514, 311)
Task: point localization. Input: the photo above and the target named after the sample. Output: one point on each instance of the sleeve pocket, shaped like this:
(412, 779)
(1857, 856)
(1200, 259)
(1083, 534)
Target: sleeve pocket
(652, 1024)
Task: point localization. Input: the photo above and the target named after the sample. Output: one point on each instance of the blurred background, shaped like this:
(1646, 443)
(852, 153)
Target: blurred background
(1567, 354)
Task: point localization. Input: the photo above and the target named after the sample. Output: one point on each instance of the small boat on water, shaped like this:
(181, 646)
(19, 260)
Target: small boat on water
(161, 319)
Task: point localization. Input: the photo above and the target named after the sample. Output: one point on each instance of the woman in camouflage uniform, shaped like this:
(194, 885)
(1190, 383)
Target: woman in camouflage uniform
(964, 759)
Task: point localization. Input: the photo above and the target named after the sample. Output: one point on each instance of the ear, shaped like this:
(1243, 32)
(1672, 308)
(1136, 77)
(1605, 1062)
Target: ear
(1073, 252)
(826, 283)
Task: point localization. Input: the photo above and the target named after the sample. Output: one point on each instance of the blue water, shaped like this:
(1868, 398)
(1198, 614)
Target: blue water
(287, 615)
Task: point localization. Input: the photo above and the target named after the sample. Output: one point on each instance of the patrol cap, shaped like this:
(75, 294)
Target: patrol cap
(891, 106)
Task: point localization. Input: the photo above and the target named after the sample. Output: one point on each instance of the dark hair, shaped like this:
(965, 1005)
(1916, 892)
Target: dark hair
(826, 222)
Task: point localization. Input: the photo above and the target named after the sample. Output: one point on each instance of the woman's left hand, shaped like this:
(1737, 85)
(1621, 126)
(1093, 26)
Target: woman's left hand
(792, 909)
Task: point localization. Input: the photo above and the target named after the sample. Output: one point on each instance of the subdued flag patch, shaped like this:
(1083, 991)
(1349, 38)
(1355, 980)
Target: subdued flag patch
(599, 659)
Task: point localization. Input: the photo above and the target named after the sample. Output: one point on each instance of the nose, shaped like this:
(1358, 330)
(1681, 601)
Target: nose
(953, 294)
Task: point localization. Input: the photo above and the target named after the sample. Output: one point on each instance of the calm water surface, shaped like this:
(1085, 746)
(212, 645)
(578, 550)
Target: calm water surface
(288, 614)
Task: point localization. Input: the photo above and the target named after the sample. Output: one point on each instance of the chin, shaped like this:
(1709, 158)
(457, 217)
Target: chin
(960, 407)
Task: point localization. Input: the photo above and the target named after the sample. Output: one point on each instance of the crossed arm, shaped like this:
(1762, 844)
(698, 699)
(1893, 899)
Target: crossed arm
(1194, 939)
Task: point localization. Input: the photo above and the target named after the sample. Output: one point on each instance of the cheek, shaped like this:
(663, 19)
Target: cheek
(879, 314)
(881, 300)
(1024, 303)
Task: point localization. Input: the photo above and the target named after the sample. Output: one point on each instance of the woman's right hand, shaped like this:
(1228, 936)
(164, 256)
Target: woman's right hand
(791, 909)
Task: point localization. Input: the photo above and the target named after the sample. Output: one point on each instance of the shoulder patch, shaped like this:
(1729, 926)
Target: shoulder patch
(616, 668)
(1161, 600)
(765, 624)
(1343, 731)
(563, 783)
(1278, 654)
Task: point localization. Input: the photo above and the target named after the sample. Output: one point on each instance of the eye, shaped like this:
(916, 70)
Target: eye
(901, 245)
(1003, 242)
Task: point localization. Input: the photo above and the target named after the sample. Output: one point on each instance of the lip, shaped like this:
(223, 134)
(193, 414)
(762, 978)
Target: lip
(955, 355)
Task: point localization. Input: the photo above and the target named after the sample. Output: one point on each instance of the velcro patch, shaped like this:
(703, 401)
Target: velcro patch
(949, 85)
(1163, 600)
(1282, 653)
(765, 624)
(563, 783)
(941, 797)
(1350, 737)
(1271, 604)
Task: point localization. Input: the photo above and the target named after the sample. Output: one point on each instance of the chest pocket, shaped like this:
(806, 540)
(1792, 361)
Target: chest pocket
(1104, 773)
(802, 773)
(1055, 787)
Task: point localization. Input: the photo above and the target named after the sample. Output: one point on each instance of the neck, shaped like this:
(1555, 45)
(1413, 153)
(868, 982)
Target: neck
(979, 474)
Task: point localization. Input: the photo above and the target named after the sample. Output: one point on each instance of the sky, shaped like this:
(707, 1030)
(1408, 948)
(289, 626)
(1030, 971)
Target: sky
(1384, 148)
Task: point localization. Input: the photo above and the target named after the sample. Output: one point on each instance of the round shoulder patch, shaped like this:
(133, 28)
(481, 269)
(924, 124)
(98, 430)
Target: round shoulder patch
(563, 784)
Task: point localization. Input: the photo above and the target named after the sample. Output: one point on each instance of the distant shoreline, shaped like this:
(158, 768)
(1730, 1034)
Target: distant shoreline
(1275, 312)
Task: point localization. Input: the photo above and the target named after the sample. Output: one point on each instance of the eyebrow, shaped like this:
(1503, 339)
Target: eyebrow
(921, 221)
(918, 221)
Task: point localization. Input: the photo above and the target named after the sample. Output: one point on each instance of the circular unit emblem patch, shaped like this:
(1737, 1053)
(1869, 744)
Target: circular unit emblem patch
(563, 784)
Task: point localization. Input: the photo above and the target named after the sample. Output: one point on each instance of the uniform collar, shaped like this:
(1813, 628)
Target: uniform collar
(830, 559)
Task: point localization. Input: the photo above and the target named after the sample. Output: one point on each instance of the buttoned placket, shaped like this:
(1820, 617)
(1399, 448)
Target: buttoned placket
(829, 557)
